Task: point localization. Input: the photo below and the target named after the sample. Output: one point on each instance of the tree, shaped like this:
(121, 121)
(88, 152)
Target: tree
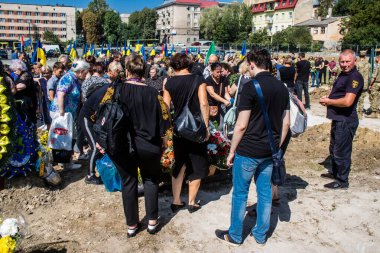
(142, 24)
(79, 22)
(99, 7)
(232, 23)
(295, 37)
(91, 28)
(259, 37)
(51, 37)
(363, 25)
(210, 19)
(112, 24)
(324, 6)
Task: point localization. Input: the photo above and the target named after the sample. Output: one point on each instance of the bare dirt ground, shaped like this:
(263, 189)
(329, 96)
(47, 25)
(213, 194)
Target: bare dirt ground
(85, 218)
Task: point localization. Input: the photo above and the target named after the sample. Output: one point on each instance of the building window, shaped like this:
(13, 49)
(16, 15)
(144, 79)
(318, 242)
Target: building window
(195, 39)
(2, 19)
(192, 8)
(19, 13)
(290, 14)
(188, 40)
(2, 27)
(54, 22)
(37, 21)
(63, 22)
(63, 36)
(46, 21)
(2, 35)
(10, 12)
(11, 35)
(63, 14)
(283, 2)
(1, 12)
(55, 29)
(291, 2)
(63, 29)
(315, 30)
(28, 13)
(10, 20)
(46, 14)
(54, 15)
(20, 28)
(283, 15)
(323, 30)
(37, 13)
(188, 16)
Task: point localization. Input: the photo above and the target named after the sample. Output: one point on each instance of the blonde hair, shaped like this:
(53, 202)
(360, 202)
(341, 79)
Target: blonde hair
(115, 66)
(244, 68)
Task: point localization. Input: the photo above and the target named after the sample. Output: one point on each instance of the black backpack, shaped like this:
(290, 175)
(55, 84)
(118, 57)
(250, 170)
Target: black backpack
(112, 127)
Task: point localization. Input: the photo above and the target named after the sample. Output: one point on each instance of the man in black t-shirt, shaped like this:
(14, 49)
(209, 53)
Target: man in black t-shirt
(253, 156)
(341, 109)
(302, 79)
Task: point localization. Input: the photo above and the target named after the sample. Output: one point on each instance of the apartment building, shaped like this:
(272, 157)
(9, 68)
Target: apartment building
(277, 15)
(179, 20)
(17, 20)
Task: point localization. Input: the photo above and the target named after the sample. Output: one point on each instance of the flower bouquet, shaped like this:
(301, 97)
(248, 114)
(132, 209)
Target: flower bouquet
(167, 158)
(217, 149)
(12, 230)
(44, 165)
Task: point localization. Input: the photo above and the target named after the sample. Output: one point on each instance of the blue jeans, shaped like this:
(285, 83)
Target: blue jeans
(243, 170)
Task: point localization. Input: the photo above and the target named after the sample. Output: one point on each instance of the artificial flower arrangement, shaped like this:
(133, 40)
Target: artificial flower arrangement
(217, 149)
(167, 158)
(12, 230)
(7, 133)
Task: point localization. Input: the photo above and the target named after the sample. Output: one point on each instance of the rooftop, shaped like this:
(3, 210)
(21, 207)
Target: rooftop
(319, 23)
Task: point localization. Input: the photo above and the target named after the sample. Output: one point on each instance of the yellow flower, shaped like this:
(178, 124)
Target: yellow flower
(7, 244)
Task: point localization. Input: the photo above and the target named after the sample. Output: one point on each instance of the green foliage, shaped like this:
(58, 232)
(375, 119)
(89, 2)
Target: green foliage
(141, 24)
(363, 25)
(324, 6)
(91, 27)
(295, 37)
(79, 22)
(99, 7)
(259, 37)
(232, 23)
(51, 37)
(112, 24)
(350, 7)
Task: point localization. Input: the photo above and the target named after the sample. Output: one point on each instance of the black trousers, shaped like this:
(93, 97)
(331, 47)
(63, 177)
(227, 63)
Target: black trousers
(303, 86)
(341, 137)
(150, 170)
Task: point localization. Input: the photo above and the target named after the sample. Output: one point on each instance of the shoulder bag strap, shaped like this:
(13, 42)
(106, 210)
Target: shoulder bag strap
(237, 90)
(194, 87)
(265, 114)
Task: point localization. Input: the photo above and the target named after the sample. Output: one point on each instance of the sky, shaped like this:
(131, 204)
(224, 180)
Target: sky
(122, 6)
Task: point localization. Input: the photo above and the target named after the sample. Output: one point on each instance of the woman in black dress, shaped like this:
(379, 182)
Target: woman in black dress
(216, 94)
(26, 91)
(287, 74)
(190, 157)
(149, 120)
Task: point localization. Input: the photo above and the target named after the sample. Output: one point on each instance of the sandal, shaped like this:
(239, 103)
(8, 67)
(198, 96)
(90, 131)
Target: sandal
(132, 232)
(194, 208)
(176, 207)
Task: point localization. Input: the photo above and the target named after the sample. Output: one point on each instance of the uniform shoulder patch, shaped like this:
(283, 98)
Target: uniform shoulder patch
(355, 84)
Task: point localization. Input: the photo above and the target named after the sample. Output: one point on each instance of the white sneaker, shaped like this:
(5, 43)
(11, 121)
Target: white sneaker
(72, 166)
(83, 157)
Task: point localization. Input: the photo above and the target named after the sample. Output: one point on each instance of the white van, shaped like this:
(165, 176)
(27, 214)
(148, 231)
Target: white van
(51, 47)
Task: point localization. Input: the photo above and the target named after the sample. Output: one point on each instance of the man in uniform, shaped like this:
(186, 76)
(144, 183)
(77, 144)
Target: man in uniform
(374, 89)
(341, 109)
(363, 67)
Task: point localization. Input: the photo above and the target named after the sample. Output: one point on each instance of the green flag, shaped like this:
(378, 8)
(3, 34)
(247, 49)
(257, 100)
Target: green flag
(211, 50)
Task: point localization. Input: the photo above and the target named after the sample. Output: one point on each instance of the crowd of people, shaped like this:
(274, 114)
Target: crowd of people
(155, 92)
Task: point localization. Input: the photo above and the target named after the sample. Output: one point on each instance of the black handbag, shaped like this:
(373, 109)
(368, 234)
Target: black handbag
(279, 171)
(189, 126)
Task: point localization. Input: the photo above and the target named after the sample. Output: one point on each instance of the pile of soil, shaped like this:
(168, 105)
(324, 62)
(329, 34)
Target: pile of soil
(77, 217)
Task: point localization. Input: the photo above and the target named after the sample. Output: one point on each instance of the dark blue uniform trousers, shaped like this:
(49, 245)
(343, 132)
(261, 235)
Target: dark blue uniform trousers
(342, 134)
